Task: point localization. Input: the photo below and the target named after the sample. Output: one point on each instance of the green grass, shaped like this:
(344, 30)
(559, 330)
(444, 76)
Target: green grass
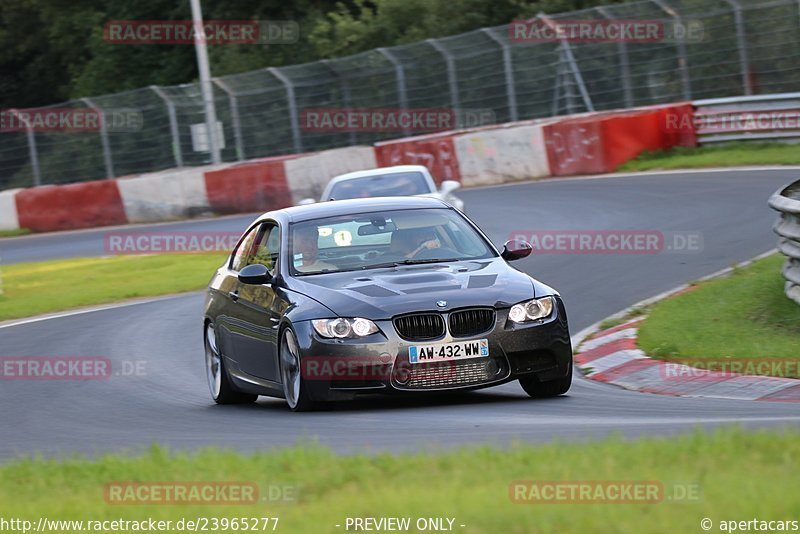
(44, 287)
(727, 155)
(745, 316)
(14, 233)
(616, 321)
(739, 475)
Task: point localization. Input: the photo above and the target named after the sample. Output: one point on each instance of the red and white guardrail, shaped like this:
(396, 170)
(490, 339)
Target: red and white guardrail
(583, 144)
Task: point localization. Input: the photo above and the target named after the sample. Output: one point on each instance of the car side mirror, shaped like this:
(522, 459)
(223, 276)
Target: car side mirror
(448, 186)
(516, 249)
(255, 274)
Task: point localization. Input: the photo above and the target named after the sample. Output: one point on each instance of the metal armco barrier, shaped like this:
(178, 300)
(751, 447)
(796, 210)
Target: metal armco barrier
(787, 202)
(748, 118)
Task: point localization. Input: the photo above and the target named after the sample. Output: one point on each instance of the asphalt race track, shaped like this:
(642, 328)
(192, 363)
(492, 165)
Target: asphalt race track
(170, 404)
(92, 242)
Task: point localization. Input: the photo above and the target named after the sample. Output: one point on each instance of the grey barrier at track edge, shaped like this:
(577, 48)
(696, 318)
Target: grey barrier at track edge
(769, 118)
(787, 202)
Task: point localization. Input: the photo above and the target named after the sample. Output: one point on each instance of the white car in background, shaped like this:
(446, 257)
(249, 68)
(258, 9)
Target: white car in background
(400, 180)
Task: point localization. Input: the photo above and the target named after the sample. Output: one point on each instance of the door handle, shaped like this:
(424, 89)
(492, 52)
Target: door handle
(234, 295)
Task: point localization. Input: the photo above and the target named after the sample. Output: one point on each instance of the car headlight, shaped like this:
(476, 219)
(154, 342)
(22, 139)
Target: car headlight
(342, 328)
(530, 310)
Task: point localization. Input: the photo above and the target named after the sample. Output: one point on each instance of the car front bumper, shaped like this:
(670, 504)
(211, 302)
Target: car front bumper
(379, 363)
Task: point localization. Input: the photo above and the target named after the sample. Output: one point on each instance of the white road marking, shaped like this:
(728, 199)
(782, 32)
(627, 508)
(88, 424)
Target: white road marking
(615, 360)
(627, 333)
(61, 315)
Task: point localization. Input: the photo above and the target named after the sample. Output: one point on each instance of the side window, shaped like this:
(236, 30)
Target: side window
(244, 250)
(267, 247)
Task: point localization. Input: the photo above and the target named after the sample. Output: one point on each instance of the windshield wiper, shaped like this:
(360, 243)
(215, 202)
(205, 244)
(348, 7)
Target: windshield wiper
(389, 264)
(427, 260)
(406, 262)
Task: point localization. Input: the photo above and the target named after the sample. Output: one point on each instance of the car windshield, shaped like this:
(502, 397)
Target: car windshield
(394, 184)
(383, 239)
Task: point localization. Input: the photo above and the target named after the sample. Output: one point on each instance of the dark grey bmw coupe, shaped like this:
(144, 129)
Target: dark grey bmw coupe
(382, 295)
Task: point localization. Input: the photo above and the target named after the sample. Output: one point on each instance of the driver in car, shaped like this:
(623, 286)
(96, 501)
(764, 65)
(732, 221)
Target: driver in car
(411, 242)
(306, 251)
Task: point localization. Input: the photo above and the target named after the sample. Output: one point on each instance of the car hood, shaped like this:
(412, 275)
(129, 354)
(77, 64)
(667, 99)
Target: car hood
(384, 293)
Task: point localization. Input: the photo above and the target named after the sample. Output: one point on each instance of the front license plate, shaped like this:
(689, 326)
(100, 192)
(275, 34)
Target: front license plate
(459, 350)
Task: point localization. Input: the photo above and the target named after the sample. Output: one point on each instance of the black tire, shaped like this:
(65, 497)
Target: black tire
(219, 383)
(551, 388)
(295, 390)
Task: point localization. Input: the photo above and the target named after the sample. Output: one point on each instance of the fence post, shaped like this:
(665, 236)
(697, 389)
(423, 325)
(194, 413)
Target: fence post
(173, 125)
(576, 73)
(103, 138)
(32, 152)
(452, 80)
(557, 88)
(562, 83)
(233, 102)
(680, 45)
(293, 117)
(568, 85)
(573, 65)
(741, 37)
(345, 93)
(400, 73)
(624, 62)
(509, 73)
